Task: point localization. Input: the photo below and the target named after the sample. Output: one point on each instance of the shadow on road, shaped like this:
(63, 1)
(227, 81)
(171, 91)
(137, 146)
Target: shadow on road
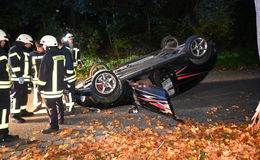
(235, 101)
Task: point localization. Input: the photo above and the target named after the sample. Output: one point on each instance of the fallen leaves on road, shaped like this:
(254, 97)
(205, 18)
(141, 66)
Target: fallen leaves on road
(190, 141)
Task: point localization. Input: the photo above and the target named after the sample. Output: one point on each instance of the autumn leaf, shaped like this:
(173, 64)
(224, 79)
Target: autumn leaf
(66, 132)
(63, 147)
(36, 132)
(235, 106)
(91, 128)
(214, 109)
(4, 149)
(85, 110)
(82, 122)
(109, 112)
(32, 139)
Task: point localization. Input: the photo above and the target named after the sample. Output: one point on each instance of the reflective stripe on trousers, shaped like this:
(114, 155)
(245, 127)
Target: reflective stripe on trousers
(4, 121)
(19, 97)
(69, 102)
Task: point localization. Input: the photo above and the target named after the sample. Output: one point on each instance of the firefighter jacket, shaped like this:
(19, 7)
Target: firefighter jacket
(70, 75)
(51, 74)
(36, 59)
(19, 61)
(75, 54)
(5, 81)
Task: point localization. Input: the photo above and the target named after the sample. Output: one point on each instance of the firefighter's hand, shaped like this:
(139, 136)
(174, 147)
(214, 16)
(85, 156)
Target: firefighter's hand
(68, 86)
(39, 87)
(20, 80)
(65, 91)
(30, 86)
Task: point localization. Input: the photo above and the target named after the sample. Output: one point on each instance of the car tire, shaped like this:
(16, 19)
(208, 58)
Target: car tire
(162, 78)
(169, 41)
(105, 87)
(197, 49)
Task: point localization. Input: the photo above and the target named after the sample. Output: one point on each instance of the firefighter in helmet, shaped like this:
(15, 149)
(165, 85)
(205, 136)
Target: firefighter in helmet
(5, 85)
(20, 66)
(51, 82)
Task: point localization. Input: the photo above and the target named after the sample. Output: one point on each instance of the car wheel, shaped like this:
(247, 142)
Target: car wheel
(197, 49)
(97, 67)
(169, 41)
(105, 87)
(162, 78)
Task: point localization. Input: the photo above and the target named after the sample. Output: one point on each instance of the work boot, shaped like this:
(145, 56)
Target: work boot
(18, 120)
(25, 113)
(49, 130)
(68, 112)
(8, 138)
(133, 110)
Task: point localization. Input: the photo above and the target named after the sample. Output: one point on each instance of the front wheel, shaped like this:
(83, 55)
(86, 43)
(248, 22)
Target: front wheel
(197, 49)
(105, 87)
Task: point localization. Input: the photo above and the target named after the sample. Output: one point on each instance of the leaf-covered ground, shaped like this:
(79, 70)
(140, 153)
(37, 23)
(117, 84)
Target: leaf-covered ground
(190, 141)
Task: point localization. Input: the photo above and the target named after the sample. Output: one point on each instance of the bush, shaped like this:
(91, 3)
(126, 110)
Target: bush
(237, 60)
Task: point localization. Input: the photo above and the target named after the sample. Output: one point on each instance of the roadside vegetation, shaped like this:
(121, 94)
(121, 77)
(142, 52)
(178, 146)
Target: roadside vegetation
(225, 61)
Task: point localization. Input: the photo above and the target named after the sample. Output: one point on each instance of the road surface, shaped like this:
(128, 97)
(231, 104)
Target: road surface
(223, 96)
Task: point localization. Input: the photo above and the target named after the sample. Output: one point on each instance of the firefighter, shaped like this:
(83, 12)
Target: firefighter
(5, 85)
(51, 82)
(20, 76)
(36, 58)
(70, 78)
(69, 41)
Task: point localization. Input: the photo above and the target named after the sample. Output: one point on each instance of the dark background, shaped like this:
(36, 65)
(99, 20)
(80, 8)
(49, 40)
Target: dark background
(116, 28)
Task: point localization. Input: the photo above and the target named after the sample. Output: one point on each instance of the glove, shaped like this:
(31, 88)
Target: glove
(20, 80)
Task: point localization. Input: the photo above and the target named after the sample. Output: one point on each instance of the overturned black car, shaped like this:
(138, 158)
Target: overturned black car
(176, 68)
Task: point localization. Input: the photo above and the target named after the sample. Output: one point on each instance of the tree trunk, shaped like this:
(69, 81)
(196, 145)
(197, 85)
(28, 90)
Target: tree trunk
(257, 9)
(116, 52)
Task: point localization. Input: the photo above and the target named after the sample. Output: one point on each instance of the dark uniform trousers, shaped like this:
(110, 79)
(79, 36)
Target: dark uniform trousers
(70, 96)
(19, 96)
(4, 110)
(55, 111)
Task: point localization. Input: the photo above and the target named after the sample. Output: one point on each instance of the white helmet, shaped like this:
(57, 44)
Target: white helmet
(49, 41)
(3, 36)
(25, 38)
(69, 36)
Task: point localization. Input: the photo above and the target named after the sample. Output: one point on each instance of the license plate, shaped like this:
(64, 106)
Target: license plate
(168, 86)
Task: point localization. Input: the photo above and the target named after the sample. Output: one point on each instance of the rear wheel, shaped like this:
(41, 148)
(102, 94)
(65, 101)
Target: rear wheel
(97, 67)
(197, 49)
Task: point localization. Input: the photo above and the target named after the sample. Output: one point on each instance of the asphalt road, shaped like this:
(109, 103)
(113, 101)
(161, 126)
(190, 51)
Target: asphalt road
(223, 96)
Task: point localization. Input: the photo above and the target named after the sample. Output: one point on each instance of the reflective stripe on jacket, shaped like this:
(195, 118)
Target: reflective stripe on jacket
(20, 63)
(5, 82)
(51, 74)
